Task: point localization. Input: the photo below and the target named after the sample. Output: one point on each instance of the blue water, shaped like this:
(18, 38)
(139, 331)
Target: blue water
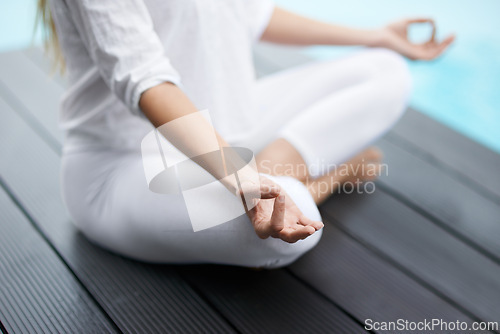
(461, 89)
(17, 19)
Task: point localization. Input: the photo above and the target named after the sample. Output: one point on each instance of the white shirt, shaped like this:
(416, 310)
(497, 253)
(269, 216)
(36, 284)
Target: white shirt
(115, 50)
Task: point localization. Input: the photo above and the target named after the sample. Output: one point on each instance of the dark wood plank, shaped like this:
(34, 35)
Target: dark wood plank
(459, 156)
(139, 298)
(366, 285)
(38, 292)
(449, 203)
(419, 247)
(268, 301)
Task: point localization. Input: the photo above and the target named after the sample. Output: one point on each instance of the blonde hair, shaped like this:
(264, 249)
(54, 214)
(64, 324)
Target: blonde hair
(51, 41)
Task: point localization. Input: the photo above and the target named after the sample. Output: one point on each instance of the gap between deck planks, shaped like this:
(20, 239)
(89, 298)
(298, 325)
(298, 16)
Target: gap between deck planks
(36, 285)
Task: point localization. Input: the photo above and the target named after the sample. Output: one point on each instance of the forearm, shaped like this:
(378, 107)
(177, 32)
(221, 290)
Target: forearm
(289, 28)
(166, 106)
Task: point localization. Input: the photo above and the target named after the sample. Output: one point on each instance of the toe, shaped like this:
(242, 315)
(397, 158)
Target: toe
(373, 154)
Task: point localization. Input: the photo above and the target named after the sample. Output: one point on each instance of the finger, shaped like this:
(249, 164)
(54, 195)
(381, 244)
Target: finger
(420, 20)
(260, 228)
(278, 217)
(252, 205)
(292, 236)
(447, 41)
(439, 49)
(309, 222)
(306, 231)
(445, 44)
(425, 20)
(269, 189)
(432, 39)
(433, 36)
(409, 50)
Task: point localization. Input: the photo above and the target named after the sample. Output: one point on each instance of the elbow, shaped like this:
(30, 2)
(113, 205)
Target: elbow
(128, 84)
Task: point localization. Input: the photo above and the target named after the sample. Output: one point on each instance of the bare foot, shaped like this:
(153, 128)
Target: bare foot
(366, 166)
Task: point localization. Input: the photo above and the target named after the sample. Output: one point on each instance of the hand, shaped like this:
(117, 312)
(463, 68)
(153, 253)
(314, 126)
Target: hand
(277, 216)
(395, 37)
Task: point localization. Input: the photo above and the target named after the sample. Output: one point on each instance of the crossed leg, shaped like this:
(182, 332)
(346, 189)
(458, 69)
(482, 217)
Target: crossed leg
(327, 114)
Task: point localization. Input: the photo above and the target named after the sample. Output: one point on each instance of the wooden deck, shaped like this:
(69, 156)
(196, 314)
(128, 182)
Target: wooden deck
(425, 245)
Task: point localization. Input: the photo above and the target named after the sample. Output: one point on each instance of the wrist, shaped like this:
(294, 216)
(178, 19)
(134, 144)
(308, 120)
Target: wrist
(378, 38)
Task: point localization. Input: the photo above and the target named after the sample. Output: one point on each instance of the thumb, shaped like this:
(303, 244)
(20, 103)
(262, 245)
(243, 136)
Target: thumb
(278, 216)
(269, 189)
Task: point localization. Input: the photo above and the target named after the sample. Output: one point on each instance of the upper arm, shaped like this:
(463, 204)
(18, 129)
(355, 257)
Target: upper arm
(121, 40)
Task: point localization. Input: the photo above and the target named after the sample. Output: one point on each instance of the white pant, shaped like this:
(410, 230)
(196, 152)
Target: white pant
(328, 110)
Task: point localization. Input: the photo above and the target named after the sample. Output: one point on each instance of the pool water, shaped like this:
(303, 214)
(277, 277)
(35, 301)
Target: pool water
(460, 89)
(17, 19)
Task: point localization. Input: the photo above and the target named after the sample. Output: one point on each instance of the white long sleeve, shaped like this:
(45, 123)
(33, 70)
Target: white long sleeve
(120, 38)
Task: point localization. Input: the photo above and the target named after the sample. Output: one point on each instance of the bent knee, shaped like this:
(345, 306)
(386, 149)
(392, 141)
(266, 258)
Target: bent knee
(394, 82)
(394, 68)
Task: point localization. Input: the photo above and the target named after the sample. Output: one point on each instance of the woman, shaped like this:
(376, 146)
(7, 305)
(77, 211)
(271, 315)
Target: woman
(134, 65)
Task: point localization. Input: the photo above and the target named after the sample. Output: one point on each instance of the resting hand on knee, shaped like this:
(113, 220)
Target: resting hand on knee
(279, 217)
(395, 37)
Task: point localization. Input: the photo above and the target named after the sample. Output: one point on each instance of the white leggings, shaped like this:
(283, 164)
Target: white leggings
(328, 110)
